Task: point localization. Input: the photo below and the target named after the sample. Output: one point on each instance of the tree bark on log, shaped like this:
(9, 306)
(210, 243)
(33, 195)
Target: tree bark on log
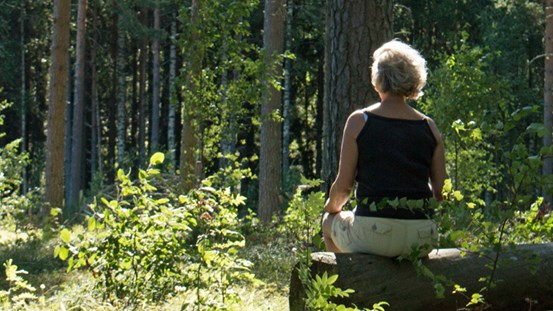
(376, 279)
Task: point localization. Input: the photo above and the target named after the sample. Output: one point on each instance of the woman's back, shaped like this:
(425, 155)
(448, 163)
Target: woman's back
(395, 158)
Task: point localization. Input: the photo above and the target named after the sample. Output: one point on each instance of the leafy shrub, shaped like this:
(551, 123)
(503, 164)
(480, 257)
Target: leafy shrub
(12, 164)
(19, 291)
(143, 247)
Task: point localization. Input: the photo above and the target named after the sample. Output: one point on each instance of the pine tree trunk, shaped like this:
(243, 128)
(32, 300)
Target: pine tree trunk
(77, 139)
(548, 92)
(287, 91)
(96, 132)
(54, 192)
(190, 126)
(354, 30)
(112, 107)
(121, 94)
(142, 93)
(270, 155)
(171, 145)
(23, 108)
(155, 87)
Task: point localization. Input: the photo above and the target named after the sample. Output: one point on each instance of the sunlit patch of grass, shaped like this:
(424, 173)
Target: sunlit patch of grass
(57, 290)
(273, 261)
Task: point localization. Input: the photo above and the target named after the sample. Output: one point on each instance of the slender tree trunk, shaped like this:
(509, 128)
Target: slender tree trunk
(287, 92)
(112, 107)
(189, 135)
(121, 94)
(270, 155)
(155, 87)
(354, 30)
(54, 192)
(548, 93)
(142, 92)
(23, 108)
(319, 118)
(171, 145)
(77, 140)
(227, 115)
(68, 128)
(96, 135)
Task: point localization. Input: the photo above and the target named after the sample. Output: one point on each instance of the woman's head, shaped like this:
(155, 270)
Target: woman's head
(399, 69)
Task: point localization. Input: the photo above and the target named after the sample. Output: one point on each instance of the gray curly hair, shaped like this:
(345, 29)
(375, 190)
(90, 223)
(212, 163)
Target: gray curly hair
(399, 69)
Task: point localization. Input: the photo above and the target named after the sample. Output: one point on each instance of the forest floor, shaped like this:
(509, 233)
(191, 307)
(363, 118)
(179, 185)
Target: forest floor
(56, 289)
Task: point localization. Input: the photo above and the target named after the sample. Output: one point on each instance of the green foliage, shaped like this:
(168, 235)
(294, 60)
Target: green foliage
(302, 220)
(12, 164)
(20, 292)
(222, 76)
(143, 248)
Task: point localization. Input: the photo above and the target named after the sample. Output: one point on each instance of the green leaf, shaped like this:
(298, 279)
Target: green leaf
(65, 235)
(64, 253)
(91, 224)
(157, 158)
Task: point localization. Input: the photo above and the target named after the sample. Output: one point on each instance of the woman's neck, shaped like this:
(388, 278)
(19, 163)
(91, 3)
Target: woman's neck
(389, 99)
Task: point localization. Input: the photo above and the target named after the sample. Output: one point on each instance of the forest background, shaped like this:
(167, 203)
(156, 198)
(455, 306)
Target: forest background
(222, 113)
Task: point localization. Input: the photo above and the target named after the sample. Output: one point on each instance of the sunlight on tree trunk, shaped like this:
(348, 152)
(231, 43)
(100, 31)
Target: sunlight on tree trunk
(54, 192)
(548, 92)
(270, 156)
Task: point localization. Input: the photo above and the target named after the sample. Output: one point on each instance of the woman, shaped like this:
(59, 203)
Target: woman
(392, 151)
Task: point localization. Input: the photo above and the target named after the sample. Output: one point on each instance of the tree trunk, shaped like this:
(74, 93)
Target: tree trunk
(121, 94)
(54, 192)
(354, 30)
(548, 93)
(23, 108)
(376, 279)
(190, 124)
(171, 145)
(287, 91)
(270, 155)
(319, 118)
(111, 107)
(155, 87)
(96, 132)
(142, 92)
(77, 139)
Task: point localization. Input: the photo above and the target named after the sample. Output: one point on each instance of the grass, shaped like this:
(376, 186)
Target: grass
(58, 290)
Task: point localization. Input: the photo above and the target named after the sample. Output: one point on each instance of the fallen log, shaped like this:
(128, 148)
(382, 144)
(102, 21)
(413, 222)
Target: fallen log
(523, 279)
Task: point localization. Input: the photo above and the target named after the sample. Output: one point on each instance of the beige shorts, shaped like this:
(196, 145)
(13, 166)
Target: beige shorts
(388, 237)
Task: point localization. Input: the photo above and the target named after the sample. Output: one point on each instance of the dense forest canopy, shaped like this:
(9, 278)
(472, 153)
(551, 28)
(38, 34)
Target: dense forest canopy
(152, 68)
(150, 139)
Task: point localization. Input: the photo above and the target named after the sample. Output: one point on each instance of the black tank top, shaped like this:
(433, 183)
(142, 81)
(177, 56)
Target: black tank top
(395, 158)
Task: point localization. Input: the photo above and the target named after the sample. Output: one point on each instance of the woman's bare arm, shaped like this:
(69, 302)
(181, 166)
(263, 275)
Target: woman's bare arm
(343, 184)
(437, 170)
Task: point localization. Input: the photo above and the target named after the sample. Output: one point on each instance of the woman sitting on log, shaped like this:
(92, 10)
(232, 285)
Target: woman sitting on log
(392, 151)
